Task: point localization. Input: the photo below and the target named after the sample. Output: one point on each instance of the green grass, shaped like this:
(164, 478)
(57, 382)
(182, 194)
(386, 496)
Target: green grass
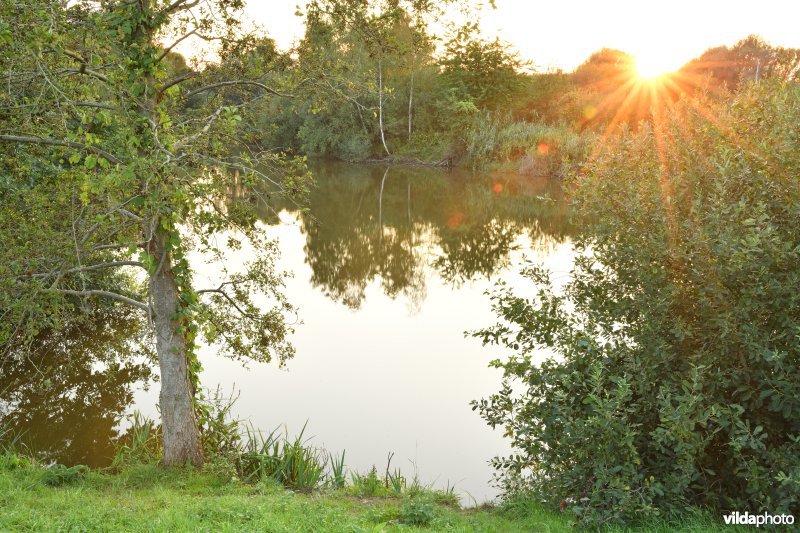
(152, 498)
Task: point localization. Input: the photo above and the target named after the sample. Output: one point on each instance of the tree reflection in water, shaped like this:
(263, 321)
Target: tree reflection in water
(64, 397)
(402, 224)
(400, 227)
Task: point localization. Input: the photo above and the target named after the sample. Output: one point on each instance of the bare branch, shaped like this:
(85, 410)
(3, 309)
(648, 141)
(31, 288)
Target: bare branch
(110, 264)
(129, 214)
(244, 168)
(209, 121)
(173, 45)
(118, 246)
(225, 294)
(176, 81)
(94, 104)
(108, 294)
(238, 82)
(84, 69)
(179, 5)
(96, 225)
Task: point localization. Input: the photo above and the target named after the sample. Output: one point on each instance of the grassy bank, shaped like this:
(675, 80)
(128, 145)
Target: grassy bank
(151, 498)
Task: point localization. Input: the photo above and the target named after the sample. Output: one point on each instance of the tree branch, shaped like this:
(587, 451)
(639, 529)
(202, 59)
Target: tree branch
(176, 81)
(173, 45)
(225, 294)
(179, 5)
(238, 82)
(94, 104)
(209, 121)
(84, 66)
(108, 294)
(110, 264)
(58, 142)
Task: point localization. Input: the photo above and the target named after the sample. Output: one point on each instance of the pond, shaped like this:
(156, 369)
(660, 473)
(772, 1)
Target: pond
(389, 269)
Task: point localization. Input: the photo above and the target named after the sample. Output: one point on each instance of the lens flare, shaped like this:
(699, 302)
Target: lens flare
(652, 66)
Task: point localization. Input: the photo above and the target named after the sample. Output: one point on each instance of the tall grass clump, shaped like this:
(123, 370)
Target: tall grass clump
(290, 461)
(10, 458)
(140, 444)
(338, 474)
(535, 147)
(237, 451)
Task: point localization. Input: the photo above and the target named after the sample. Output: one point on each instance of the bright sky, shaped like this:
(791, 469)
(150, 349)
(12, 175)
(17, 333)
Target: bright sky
(563, 33)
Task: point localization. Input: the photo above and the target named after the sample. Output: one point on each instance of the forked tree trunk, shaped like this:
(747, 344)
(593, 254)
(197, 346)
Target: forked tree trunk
(181, 436)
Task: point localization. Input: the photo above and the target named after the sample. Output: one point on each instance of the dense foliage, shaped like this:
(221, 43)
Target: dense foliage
(379, 83)
(672, 378)
(116, 162)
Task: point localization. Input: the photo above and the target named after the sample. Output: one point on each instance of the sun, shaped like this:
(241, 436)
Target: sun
(652, 66)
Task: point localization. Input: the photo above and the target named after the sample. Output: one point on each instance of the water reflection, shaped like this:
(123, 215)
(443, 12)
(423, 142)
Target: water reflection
(64, 398)
(369, 377)
(391, 224)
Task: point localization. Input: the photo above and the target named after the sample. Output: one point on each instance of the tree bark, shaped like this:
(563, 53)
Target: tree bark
(380, 107)
(410, 100)
(180, 433)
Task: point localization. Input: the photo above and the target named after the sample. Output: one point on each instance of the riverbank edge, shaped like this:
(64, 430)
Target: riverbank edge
(149, 497)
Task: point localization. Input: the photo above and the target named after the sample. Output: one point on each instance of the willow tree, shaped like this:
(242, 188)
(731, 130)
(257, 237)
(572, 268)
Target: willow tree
(117, 161)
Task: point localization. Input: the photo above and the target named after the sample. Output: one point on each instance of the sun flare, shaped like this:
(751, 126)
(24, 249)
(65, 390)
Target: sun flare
(649, 66)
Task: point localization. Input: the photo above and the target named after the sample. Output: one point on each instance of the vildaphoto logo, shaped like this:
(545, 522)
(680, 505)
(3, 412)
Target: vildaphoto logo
(765, 519)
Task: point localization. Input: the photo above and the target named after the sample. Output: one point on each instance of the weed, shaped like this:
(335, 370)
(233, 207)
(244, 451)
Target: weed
(366, 485)
(417, 512)
(338, 478)
(59, 475)
(141, 444)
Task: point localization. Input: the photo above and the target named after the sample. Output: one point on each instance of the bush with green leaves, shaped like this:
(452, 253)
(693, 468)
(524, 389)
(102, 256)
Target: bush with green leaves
(671, 375)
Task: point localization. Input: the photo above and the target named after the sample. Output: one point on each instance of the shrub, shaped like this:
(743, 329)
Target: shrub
(673, 378)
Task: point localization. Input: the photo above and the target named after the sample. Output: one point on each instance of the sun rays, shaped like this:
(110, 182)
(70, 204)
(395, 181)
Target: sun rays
(654, 66)
(644, 91)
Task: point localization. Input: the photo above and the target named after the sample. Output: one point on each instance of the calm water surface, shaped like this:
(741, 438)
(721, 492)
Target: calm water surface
(389, 271)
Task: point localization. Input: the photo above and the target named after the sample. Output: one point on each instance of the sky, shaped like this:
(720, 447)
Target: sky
(563, 33)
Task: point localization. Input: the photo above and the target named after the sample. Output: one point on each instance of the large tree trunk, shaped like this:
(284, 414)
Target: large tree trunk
(178, 423)
(181, 436)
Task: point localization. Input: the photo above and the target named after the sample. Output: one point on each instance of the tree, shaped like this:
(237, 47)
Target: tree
(605, 70)
(360, 50)
(485, 73)
(751, 59)
(117, 163)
